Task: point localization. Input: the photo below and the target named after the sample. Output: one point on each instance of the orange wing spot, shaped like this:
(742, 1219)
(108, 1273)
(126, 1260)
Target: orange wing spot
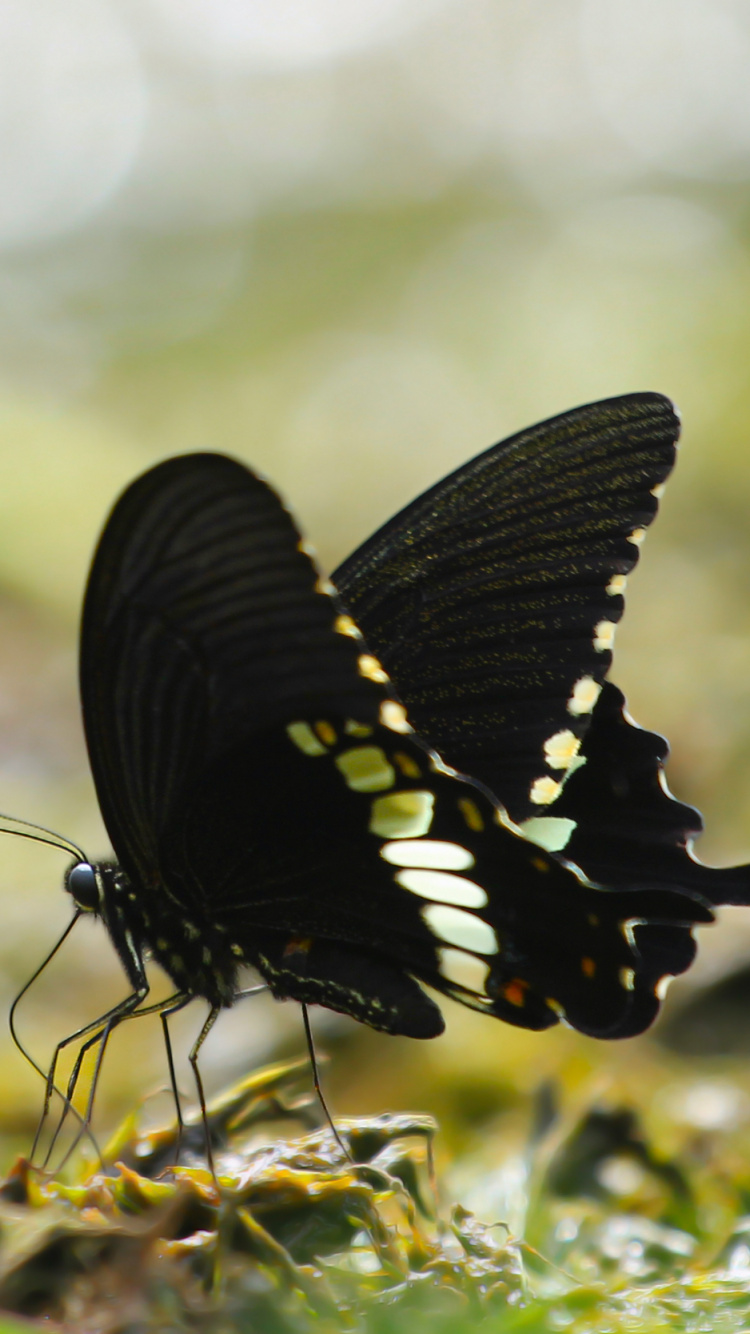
(326, 733)
(297, 945)
(472, 814)
(588, 967)
(408, 766)
(515, 991)
(539, 864)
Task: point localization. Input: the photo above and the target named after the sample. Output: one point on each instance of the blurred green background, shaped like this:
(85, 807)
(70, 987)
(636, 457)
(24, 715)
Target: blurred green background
(354, 245)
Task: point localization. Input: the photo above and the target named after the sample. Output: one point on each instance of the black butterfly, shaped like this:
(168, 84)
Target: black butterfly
(269, 803)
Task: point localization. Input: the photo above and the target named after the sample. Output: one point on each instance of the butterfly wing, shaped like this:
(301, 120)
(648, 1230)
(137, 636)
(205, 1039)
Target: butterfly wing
(263, 789)
(492, 601)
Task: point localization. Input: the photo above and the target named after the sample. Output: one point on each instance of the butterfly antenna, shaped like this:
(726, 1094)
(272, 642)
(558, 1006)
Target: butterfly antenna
(38, 833)
(316, 1082)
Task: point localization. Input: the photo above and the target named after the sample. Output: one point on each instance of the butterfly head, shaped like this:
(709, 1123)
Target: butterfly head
(84, 885)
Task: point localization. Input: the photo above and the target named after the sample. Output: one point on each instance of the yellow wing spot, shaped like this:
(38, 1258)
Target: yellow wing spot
(555, 1006)
(303, 737)
(616, 585)
(515, 991)
(588, 966)
(353, 728)
(637, 536)
(604, 635)
(544, 790)
(627, 979)
(176, 961)
(561, 749)
(402, 815)
(473, 817)
(326, 733)
(393, 715)
(297, 945)
(344, 625)
(162, 944)
(586, 692)
(662, 986)
(323, 585)
(206, 954)
(658, 491)
(409, 767)
(238, 950)
(370, 668)
(366, 769)
(592, 919)
(539, 864)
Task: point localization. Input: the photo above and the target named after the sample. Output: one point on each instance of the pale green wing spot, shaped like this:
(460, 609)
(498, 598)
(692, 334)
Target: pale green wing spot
(429, 853)
(548, 831)
(465, 970)
(366, 769)
(402, 815)
(305, 739)
(442, 886)
(461, 929)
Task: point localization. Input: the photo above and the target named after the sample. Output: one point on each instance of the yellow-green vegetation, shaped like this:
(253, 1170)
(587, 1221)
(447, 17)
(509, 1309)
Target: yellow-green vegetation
(615, 1235)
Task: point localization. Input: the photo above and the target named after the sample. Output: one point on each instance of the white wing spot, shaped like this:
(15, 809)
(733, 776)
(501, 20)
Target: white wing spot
(658, 491)
(586, 692)
(402, 815)
(604, 635)
(662, 986)
(443, 887)
(561, 749)
(393, 715)
(616, 584)
(552, 832)
(305, 739)
(637, 536)
(460, 929)
(464, 970)
(544, 790)
(323, 585)
(366, 769)
(429, 853)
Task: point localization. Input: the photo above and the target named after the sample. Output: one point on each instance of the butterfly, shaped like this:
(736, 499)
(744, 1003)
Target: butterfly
(416, 774)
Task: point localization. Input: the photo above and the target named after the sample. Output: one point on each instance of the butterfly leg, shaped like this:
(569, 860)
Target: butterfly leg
(99, 1028)
(193, 1058)
(317, 1085)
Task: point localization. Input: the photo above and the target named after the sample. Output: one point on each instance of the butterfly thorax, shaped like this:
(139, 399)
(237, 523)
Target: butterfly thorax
(150, 924)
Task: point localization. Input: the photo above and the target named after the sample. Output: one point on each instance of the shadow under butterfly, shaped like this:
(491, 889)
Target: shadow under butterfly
(250, 730)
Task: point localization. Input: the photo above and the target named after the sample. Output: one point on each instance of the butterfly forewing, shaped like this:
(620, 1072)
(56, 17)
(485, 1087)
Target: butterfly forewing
(492, 599)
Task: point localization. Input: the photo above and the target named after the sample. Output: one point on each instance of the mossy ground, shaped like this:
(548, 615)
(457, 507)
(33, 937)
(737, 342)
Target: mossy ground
(297, 1238)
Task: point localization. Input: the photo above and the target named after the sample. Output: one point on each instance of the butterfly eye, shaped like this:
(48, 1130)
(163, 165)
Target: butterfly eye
(81, 882)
